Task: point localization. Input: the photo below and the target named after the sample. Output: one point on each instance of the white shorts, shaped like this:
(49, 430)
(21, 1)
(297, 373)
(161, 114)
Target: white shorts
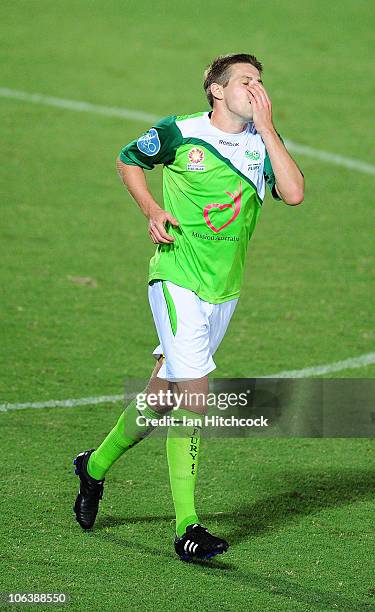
(189, 330)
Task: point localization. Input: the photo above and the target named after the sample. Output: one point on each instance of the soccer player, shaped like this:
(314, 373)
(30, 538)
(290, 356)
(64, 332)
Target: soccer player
(215, 167)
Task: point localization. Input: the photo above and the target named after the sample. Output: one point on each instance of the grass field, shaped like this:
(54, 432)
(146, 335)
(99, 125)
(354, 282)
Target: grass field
(299, 513)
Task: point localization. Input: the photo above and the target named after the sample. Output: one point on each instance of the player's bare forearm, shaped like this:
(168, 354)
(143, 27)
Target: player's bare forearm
(289, 180)
(134, 180)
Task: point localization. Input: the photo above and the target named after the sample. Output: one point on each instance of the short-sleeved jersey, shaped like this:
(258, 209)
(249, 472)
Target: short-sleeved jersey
(214, 184)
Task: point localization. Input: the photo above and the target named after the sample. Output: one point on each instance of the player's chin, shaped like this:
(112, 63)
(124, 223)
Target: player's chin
(247, 117)
(247, 112)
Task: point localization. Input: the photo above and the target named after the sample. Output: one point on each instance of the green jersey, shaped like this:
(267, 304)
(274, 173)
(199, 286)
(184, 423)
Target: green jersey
(214, 184)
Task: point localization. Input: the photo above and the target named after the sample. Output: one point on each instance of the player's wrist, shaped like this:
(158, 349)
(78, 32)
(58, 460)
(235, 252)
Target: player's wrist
(152, 209)
(267, 131)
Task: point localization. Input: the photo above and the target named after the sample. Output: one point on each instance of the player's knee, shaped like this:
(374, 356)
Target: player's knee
(192, 394)
(157, 393)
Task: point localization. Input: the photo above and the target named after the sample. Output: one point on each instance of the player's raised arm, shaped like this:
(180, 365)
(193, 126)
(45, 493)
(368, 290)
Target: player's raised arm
(289, 179)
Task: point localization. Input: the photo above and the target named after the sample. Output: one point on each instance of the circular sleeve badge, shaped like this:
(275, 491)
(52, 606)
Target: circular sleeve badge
(149, 143)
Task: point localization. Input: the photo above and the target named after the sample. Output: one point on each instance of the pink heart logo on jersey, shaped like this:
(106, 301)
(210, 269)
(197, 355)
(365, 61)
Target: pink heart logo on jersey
(236, 203)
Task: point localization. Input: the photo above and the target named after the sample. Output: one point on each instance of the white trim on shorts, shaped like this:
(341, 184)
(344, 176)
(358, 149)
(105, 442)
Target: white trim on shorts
(201, 326)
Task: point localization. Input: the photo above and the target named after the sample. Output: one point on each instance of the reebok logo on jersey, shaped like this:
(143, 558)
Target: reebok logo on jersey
(228, 143)
(236, 198)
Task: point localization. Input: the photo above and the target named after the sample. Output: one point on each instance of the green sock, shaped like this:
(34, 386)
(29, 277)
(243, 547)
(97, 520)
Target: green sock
(182, 453)
(123, 436)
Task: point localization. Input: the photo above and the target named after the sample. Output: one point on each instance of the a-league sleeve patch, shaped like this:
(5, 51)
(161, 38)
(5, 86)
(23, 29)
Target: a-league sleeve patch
(149, 143)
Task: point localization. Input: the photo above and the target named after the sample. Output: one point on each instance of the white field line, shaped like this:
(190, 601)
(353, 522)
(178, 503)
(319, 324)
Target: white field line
(125, 113)
(347, 364)
(76, 105)
(69, 403)
(328, 368)
(331, 158)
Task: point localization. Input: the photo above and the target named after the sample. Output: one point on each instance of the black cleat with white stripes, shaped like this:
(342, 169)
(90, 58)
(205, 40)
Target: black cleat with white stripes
(198, 543)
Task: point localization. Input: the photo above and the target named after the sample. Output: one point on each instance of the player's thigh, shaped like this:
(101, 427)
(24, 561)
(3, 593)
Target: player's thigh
(193, 394)
(182, 324)
(219, 321)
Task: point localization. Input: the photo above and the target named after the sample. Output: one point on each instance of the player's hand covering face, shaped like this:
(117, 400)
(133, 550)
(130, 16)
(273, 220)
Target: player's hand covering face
(261, 105)
(246, 96)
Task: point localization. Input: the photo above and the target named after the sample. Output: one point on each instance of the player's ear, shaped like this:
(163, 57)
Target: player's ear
(217, 91)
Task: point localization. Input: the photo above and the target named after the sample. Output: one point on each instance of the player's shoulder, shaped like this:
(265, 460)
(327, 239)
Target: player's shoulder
(176, 119)
(192, 116)
(182, 125)
(166, 122)
(167, 132)
(193, 124)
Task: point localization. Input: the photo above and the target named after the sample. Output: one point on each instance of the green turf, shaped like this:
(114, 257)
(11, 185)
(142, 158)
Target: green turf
(298, 513)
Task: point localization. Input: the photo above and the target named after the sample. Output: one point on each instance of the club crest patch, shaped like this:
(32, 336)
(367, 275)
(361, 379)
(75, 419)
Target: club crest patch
(255, 155)
(149, 143)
